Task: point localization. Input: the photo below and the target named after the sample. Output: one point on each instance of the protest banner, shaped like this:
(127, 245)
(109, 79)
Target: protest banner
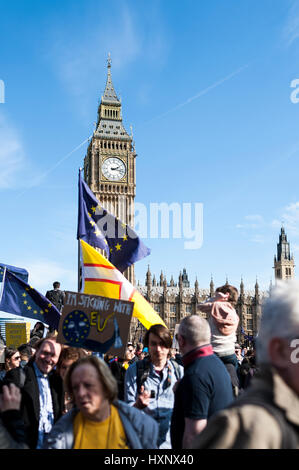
(100, 324)
(17, 334)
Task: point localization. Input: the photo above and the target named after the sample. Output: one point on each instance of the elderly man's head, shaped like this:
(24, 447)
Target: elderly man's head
(278, 337)
(194, 331)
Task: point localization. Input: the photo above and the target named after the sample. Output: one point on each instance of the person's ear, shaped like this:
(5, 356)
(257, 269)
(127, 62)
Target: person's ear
(279, 352)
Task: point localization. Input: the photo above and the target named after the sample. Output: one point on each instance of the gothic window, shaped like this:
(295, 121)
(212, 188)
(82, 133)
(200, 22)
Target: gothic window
(188, 308)
(278, 273)
(250, 324)
(172, 308)
(157, 308)
(172, 323)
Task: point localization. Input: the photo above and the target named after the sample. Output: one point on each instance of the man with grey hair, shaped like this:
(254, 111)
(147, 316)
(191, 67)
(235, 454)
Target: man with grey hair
(266, 416)
(206, 386)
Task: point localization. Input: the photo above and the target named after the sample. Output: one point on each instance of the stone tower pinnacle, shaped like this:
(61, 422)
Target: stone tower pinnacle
(284, 265)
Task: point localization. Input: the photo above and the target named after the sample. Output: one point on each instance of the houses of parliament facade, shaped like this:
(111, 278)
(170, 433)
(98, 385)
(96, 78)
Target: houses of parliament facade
(110, 172)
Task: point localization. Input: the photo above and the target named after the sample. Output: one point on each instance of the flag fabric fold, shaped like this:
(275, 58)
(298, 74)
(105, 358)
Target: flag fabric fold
(100, 277)
(19, 298)
(102, 230)
(20, 272)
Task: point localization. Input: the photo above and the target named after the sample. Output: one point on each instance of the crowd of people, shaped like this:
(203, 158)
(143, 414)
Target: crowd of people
(211, 393)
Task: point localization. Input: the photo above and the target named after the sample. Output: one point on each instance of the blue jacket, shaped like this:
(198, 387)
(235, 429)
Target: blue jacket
(161, 406)
(141, 430)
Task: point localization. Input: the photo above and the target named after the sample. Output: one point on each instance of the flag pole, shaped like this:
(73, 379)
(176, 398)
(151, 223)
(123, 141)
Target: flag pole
(79, 266)
(79, 251)
(3, 280)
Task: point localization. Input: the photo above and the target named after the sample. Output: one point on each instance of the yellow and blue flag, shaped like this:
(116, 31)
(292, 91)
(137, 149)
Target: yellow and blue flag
(100, 277)
(102, 230)
(19, 298)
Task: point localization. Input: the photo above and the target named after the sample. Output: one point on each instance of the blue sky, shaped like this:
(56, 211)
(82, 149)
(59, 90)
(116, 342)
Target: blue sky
(205, 85)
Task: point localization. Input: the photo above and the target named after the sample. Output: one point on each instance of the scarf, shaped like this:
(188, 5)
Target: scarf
(201, 351)
(222, 312)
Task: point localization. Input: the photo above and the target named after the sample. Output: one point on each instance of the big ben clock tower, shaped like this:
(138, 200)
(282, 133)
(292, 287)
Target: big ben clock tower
(109, 165)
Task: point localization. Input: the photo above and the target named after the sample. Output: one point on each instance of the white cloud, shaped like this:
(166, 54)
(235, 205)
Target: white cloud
(295, 247)
(252, 221)
(16, 170)
(84, 62)
(12, 157)
(258, 239)
(80, 64)
(290, 218)
(291, 28)
(43, 272)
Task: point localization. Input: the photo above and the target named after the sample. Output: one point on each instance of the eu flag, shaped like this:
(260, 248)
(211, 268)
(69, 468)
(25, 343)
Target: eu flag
(20, 272)
(21, 299)
(1, 273)
(102, 230)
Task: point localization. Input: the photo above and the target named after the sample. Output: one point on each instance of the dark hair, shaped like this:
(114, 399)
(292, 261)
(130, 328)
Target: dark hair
(56, 284)
(162, 332)
(25, 349)
(9, 352)
(38, 330)
(232, 291)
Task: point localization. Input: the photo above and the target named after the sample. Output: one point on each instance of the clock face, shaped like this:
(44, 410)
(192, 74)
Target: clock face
(113, 169)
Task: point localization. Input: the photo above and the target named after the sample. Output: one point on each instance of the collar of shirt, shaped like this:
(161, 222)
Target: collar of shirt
(38, 373)
(205, 350)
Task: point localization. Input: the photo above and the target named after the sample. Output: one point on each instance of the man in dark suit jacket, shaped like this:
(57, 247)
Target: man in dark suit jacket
(41, 389)
(56, 296)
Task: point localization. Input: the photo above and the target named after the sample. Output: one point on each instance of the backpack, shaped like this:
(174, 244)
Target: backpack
(143, 371)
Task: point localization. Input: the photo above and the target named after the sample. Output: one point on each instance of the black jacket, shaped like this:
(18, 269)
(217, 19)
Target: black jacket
(12, 434)
(30, 407)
